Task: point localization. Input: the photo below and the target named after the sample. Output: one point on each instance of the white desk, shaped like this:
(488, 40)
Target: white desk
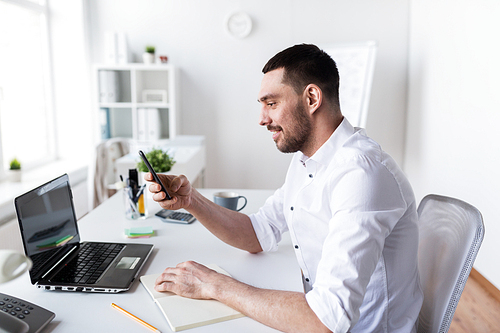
(174, 243)
(188, 152)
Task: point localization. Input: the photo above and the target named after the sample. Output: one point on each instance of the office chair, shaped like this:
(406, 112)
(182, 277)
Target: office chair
(451, 232)
(103, 175)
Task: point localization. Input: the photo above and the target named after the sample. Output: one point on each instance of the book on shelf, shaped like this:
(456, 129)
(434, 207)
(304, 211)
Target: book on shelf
(104, 122)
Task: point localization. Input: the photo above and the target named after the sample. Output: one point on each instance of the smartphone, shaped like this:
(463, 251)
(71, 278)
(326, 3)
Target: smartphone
(155, 176)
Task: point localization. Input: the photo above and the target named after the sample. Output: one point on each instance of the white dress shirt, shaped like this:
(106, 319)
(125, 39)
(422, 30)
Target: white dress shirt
(352, 218)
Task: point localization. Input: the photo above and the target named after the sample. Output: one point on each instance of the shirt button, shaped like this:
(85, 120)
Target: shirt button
(296, 246)
(307, 279)
(291, 208)
(310, 175)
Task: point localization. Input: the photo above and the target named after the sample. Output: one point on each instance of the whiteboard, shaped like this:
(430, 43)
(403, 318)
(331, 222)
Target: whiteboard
(355, 63)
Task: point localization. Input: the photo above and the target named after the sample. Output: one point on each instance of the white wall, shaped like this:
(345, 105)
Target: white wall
(220, 75)
(453, 106)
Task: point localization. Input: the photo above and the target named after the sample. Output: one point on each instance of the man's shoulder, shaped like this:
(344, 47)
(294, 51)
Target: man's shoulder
(359, 147)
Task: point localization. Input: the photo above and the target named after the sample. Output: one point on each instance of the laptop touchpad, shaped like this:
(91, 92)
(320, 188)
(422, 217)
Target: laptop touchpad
(128, 262)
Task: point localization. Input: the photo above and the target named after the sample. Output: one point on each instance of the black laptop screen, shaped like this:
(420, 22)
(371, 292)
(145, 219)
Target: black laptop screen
(46, 217)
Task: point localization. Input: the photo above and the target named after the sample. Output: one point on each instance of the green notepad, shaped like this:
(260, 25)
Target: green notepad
(139, 232)
(183, 313)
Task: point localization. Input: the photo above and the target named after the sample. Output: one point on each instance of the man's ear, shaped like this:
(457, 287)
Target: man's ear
(314, 97)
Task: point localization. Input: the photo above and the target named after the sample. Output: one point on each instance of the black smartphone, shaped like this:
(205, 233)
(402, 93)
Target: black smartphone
(155, 176)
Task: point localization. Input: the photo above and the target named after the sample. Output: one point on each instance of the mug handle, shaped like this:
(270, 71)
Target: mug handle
(13, 267)
(243, 204)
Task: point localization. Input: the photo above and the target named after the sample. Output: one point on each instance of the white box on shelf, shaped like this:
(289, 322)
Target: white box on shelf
(154, 96)
(110, 54)
(108, 86)
(148, 124)
(122, 52)
(141, 125)
(154, 125)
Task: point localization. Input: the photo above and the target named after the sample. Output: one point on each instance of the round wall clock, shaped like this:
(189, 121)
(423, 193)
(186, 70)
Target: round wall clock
(239, 24)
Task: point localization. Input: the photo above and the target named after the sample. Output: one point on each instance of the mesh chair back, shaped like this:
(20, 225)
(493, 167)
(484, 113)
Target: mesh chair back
(451, 232)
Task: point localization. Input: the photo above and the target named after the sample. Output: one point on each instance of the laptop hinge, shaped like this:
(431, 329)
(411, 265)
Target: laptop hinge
(60, 260)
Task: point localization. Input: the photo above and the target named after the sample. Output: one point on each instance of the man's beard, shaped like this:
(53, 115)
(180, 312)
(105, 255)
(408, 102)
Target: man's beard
(297, 135)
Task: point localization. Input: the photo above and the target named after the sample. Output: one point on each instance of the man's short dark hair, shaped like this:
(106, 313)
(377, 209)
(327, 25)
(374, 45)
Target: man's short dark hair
(305, 64)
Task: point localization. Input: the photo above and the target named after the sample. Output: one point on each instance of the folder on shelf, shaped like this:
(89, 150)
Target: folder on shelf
(108, 86)
(104, 122)
(148, 124)
(183, 313)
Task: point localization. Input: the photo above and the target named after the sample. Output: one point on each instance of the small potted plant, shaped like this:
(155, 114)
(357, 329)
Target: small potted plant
(160, 160)
(148, 57)
(15, 170)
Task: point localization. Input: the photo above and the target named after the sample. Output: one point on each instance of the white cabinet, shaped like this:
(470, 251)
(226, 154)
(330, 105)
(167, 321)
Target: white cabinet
(136, 101)
(139, 102)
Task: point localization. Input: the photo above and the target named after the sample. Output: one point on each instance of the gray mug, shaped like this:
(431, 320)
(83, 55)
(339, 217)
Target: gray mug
(229, 200)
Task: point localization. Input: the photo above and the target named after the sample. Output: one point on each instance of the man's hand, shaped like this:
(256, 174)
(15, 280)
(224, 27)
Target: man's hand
(178, 187)
(189, 279)
(286, 311)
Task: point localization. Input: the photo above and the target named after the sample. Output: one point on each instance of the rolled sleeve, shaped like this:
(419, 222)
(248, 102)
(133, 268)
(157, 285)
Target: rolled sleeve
(269, 222)
(337, 320)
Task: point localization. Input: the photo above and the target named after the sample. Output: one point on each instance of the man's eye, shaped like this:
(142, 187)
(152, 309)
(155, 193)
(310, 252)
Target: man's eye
(271, 104)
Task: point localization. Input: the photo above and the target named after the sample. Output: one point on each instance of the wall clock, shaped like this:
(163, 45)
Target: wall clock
(239, 24)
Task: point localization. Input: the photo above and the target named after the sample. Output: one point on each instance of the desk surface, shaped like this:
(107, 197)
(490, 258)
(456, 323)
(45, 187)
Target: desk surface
(174, 243)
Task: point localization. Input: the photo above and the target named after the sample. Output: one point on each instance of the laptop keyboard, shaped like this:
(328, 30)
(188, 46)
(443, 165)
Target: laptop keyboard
(89, 264)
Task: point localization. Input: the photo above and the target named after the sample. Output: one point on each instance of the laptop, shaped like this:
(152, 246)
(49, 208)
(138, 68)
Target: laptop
(50, 237)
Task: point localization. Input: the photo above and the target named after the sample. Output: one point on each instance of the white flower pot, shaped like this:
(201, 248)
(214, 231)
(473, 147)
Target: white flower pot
(15, 175)
(148, 58)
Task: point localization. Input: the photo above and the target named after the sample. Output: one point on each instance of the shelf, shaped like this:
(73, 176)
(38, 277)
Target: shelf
(153, 105)
(135, 66)
(123, 90)
(135, 105)
(118, 105)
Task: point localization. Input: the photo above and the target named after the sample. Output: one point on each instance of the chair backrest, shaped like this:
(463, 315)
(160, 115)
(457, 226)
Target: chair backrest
(451, 232)
(104, 172)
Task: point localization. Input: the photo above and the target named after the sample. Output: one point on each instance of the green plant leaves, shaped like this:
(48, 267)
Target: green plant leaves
(160, 160)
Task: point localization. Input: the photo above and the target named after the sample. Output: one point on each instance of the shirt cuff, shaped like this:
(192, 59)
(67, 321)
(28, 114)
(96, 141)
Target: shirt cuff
(329, 312)
(265, 234)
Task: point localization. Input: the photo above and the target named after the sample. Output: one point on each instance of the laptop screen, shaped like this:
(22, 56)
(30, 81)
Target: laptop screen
(46, 217)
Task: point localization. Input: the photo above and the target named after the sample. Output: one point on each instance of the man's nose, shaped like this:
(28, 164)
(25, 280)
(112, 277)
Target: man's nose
(264, 118)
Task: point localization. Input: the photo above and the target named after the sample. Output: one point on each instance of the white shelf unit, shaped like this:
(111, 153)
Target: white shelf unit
(118, 115)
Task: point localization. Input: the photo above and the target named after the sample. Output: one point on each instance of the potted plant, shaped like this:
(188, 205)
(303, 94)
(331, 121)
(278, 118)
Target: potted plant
(160, 160)
(148, 57)
(15, 170)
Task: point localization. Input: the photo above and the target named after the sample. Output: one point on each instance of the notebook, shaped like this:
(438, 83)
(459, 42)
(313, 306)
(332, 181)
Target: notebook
(51, 239)
(183, 313)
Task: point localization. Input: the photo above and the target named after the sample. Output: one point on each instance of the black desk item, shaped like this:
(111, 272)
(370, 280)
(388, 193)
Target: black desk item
(17, 315)
(60, 260)
(175, 217)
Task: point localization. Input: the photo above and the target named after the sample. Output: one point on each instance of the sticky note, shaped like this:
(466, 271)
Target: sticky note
(139, 232)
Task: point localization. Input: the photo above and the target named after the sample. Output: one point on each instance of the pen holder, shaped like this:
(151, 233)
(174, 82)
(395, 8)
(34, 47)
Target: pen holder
(135, 203)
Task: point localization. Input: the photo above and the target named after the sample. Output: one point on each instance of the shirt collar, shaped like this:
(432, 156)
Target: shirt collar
(326, 152)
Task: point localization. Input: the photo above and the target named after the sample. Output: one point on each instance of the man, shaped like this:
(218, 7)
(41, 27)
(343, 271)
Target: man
(350, 211)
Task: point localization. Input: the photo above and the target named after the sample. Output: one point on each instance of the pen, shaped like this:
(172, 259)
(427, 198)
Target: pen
(136, 318)
(139, 193)
(133, 205)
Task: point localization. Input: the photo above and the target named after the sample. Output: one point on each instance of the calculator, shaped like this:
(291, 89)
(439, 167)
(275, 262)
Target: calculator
(17, 315)
(175, 217)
